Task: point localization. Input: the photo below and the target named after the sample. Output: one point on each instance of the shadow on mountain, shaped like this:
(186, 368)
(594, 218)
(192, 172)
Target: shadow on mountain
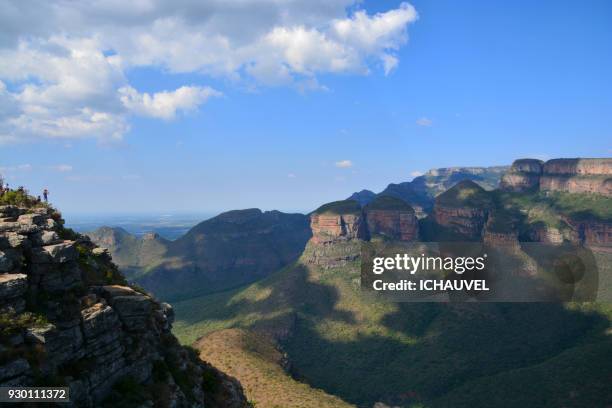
(457, 345)
(230, 250)
(277, 301)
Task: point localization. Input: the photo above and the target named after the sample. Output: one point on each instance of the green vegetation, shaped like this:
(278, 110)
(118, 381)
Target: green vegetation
(256, 360)
(389, 203)
(20, 198)
(98, 269)
(340, 207)
(12, 323)
(363, 349)
(466, 193)
(227, 251)
(550, 209)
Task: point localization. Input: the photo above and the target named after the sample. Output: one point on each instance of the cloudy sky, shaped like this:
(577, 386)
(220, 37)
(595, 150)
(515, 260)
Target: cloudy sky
(186, 105)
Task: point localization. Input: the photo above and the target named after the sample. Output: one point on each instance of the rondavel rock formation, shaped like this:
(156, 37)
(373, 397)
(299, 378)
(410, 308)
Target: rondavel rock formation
(464, 208)
(568, 175)
(337, 228)
(344, 220)
(68, 318)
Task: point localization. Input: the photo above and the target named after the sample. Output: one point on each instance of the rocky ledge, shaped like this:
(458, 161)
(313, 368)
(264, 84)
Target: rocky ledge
(68, 318)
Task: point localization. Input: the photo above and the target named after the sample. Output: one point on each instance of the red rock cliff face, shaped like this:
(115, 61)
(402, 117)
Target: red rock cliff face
(524, 175)
(579, 167)
(592, 233)
(395, 224)
(577, 184)
(329, 227)
(568, 175)
(466, 221)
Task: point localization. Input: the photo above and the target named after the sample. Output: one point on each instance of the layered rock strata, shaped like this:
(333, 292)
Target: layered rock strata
(524, 175)
(566, 175)
(391, 218)
(464, 209)
(67, 317)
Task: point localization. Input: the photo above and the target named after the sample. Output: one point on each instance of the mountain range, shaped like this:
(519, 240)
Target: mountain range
(226, 251)
(305, 334)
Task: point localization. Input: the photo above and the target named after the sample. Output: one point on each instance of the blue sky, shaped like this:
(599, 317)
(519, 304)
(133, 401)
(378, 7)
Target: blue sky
(477, 84)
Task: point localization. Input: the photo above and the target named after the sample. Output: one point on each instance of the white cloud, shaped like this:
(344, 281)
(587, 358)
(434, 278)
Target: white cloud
(62, 168)
(164, 105)
(344, 164)
(64, 65)
(291, 175)
(424, 122)
(416, 173)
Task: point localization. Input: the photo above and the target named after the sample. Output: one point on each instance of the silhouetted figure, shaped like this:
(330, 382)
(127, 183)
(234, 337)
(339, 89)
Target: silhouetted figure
(46, 195)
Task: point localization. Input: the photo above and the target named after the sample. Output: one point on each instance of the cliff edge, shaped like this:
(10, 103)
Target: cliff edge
(68, 318)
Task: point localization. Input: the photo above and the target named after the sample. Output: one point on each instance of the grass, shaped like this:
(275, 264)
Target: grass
(254, 359)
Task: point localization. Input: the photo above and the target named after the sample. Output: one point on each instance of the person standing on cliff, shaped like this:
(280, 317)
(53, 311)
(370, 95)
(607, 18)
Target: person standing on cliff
(46, 195)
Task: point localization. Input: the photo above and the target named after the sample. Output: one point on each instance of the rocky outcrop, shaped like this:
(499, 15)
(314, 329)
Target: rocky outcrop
(546, 234)
(385, 216)
(68, 317)
(463, 209)
(391, 218)
(465, 221)
(337, 221)
(338, 228)
(524, 175)
(567, 175)
(596, 233)
(578, 167)
(501, 239)
(597, 184)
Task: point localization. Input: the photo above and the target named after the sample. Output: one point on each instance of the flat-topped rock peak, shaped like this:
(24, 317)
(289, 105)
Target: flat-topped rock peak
(568, 175)
(385, 216)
